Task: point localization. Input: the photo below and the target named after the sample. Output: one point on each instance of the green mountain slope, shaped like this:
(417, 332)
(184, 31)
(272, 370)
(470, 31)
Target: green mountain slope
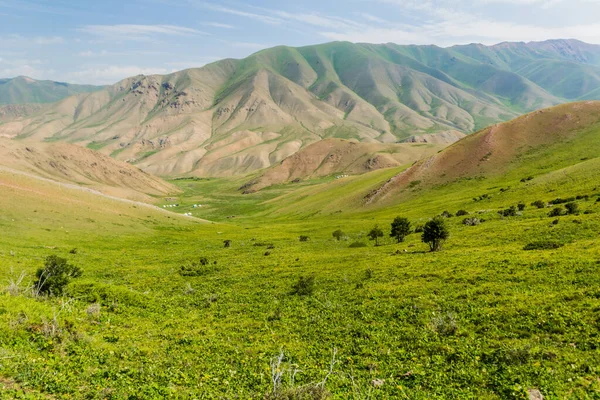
(23, 90)
(234, 117)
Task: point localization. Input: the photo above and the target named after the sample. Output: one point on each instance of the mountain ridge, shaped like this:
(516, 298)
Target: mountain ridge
(235, 117)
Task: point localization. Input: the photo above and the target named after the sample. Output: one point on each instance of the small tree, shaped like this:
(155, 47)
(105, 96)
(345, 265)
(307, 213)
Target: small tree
(400, 229)
(56, 274)
(338, 234)
(435, 232)
(375, 234)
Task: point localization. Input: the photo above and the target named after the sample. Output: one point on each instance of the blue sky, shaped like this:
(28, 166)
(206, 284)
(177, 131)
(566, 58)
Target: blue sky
(103, 41)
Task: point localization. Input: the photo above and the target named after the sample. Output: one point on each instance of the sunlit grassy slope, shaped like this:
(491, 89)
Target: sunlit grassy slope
(481, 319)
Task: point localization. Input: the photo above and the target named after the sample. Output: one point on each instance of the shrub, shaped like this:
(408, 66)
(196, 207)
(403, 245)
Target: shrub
(557, 212)
(435, 233)
(509, 212)
(583, 197)
(338, 234)
(375, 234)
(305, 286)
(521, 206)
(419, 229)
(539, 204)
(471, 221)
(304, 238)
(73, 251)
(543, 245)
(529, 178)
(598, 200)
(226, 243)
(461, 213)
(572, 208)
(356, 245)
(562, 201)
(447, 214)
(400, 229)
(56, 274)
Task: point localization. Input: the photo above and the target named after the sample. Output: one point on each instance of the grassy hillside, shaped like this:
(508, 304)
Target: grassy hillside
(23, 90)
(235, 117)
(484, 318)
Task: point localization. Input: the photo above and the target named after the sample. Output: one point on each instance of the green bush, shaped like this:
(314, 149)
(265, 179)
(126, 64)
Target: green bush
(539, 204)
(521, 206)
(305, 286)
(557, 212)
(55, 276)
(509, 212)
(543, 245)
(572, 208)
(338, 234)
(447, 214)
(435, 233)
(462, 213)
(304, 238)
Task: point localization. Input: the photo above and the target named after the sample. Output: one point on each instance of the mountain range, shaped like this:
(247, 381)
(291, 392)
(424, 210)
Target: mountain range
(235, 117)
(24, 90)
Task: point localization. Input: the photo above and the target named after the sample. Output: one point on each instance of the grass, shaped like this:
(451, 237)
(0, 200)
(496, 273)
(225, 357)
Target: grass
(154, 316)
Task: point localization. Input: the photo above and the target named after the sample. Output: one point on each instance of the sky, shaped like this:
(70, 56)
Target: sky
(103, 41)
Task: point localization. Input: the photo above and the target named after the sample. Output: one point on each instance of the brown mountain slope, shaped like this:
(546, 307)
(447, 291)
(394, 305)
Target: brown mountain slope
(234, 117)
(69, 163)
(339, 156)
(497, 149)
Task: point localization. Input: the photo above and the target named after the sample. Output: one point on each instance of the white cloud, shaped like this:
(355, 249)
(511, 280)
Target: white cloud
(218, 25)
(371, 18)
(259, 17)
(46, 40)
(134, 32)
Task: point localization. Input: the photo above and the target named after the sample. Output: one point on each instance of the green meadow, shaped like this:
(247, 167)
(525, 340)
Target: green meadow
(164, 310)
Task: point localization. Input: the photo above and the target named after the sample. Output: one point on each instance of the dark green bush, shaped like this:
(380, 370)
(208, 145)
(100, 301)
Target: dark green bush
(539, 204)
(509, 212)
(562, 201)
(572, 208)
(447, 214)
(543, 245)
(557, 212)
(55, 276)
(304, 238)
(521, 206)
(461, 213)
(305, 286)
(338, 234)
